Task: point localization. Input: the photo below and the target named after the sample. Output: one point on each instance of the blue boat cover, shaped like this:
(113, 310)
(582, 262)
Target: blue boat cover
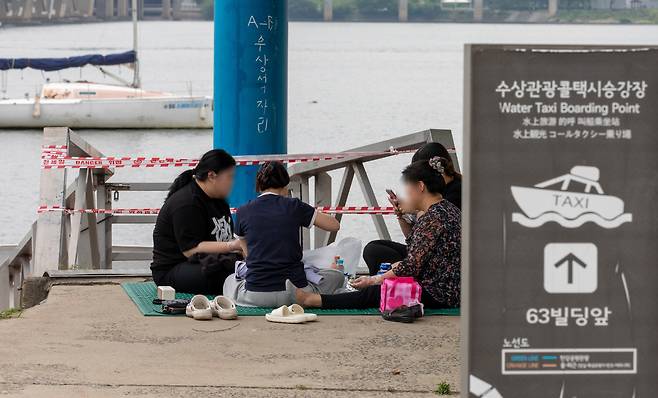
(52, 64)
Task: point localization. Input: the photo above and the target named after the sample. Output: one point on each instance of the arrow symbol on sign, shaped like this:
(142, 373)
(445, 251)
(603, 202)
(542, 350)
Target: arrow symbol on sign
(570, 259)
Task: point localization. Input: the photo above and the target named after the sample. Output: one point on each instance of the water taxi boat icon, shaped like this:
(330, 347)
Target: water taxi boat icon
(571, 209)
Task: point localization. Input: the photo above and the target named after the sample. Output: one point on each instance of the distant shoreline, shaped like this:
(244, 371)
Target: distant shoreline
(558, 21)
(567, 17)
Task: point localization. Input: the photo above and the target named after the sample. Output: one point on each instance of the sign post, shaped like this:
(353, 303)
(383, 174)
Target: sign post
(560, 222)
(251, 83)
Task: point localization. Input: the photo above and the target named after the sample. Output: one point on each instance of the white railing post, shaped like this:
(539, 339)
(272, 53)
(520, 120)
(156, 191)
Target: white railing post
(371, 199)
(84, 199)
(49, 245)
(6, 289)
(104, 201)
(299, 185)
(341, 200)
(322, 198)
(76, 220)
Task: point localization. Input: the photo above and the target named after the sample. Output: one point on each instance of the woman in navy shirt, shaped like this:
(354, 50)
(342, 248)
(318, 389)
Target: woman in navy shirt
(268, 230)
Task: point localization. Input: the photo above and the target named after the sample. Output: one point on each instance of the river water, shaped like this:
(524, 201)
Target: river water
(350, 84)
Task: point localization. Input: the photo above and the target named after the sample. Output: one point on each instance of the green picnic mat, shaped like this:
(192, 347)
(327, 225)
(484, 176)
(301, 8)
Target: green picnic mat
(143, 293)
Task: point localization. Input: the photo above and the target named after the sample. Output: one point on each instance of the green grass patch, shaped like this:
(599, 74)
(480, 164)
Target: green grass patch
(10, 313)
(443, 389)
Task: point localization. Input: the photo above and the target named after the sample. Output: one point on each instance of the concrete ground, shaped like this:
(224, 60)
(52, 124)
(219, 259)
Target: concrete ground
(91, 341)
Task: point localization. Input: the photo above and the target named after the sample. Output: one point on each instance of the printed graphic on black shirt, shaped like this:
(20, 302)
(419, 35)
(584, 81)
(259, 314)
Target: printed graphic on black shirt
(186, 219)
(222, 230)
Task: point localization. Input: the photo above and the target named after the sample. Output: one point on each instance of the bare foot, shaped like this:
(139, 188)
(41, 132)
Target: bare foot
(304, 298)
(301, 297)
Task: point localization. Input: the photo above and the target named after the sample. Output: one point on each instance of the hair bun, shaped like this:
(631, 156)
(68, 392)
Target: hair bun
(437, 164)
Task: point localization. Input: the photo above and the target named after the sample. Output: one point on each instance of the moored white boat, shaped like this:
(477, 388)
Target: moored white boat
(92, 105)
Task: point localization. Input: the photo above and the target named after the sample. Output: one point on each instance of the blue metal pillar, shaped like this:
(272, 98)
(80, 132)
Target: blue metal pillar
(251, 83)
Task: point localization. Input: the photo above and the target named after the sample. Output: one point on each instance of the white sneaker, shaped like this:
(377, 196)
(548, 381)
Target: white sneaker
(224, 308)
(199, 308)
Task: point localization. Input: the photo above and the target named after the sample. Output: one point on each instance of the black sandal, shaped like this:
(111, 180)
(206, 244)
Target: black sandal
(417, 310)
(402, 314)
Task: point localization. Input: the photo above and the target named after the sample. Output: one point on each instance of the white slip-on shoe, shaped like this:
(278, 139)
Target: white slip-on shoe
(297, 309)
(199, 308)
(283, 315)
(224, 308)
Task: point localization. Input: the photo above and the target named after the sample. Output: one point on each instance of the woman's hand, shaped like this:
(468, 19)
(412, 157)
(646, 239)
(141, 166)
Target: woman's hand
(404, 207)
(401, 207)
(215, 247)
(363, 282)
(239, 247)
(395, 202)
(234, 246)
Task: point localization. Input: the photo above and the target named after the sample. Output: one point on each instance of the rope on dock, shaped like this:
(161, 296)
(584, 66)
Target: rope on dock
(154, 211)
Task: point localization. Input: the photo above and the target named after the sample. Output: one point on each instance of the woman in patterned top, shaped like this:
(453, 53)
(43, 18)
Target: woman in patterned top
(387, 251)
(434, 255)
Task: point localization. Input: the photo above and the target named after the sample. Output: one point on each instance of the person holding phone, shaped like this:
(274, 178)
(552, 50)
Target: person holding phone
(386, 251)
(434, 255)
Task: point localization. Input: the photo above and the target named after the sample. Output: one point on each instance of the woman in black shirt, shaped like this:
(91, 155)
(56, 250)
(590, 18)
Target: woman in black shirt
(386, 251)
(194, 249)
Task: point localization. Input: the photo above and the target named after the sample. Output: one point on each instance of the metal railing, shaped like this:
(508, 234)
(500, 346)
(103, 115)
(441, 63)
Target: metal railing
(78, 244)
(301, 175)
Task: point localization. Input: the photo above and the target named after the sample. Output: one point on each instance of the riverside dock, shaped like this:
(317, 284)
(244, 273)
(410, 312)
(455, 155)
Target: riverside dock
(94, 341)
(72, 236)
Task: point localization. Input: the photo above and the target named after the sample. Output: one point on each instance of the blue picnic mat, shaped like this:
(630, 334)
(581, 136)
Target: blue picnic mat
(143, 293)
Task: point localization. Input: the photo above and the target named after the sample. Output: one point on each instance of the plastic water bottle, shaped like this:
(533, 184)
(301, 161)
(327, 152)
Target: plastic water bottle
(340, 265)
(334, 265)
(383, 268)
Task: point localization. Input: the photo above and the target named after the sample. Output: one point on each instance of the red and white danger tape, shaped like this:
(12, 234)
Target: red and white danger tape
(154, 211)
(70, 162)
(356, 210)
(62, 147)
(52, 159)
(142, 211)
(52, 153)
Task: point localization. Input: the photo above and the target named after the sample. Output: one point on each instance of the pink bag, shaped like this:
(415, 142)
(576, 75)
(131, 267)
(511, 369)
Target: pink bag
(399, 291)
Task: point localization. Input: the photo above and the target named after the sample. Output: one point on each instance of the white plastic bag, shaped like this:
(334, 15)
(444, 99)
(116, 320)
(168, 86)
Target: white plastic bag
(349, 249)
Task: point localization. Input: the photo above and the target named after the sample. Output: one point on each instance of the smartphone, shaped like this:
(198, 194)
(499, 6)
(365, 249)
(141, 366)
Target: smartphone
(391, 194)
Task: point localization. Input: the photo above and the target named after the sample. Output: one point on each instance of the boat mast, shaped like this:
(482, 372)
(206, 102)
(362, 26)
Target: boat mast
(136, 82)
